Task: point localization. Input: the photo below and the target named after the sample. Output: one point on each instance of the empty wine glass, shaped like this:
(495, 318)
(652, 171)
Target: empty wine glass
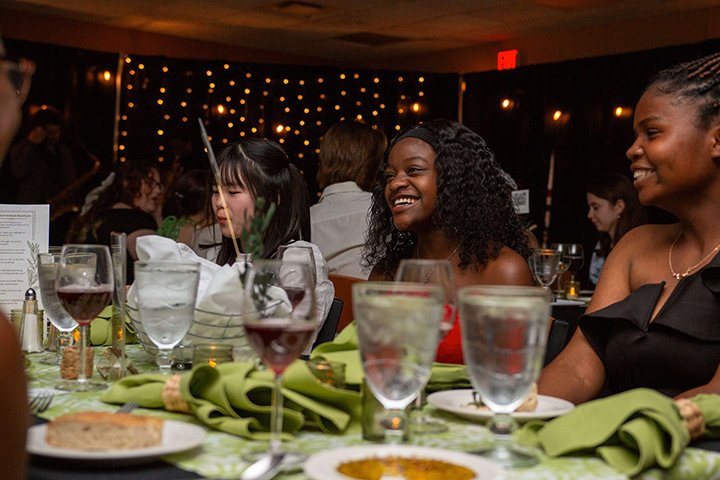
(84, 285)
(562, 249)
(53, 309)
(545, 265)
(504, 330)
(166, 293)
(576, 257)
(398, 327)
(280, 327)
(435, 272)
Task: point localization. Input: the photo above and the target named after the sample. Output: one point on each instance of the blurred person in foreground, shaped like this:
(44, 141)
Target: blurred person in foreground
(653, 319)
(440, 194)
(614, 209)
(350, 153)
(14, 414)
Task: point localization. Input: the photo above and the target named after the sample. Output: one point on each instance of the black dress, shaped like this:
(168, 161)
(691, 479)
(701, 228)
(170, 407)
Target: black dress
(677, 351)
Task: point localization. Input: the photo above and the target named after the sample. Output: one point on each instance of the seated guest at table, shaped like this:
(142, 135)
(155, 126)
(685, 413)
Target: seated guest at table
(14, 414)
(653, 319)
(129, 201)
(614, 209)
(440, 194)
(350, 153)
(258, 167)
(185, 207)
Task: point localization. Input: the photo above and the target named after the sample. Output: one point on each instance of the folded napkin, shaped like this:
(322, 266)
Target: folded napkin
(235, 398)
(344, 349)
(101, 329)
(631, 431)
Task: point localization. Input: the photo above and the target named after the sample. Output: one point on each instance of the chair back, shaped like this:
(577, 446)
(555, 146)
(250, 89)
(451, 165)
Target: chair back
(329, 329)
(343, 290)
(557, 339)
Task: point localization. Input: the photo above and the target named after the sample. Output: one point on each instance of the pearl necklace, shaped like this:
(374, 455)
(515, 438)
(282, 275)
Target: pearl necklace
(680, 276)
(426, 277)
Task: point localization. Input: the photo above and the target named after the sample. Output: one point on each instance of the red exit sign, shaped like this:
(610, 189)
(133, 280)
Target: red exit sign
(507, 59)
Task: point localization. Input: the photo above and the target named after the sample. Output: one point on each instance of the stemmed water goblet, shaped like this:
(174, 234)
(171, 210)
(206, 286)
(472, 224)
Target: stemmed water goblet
(84, 285)
(504, 330)
(545, 265)
(53, 309)
(166, 293)
(576, 258)
(278, 328)
(398, 327)
(435, 272)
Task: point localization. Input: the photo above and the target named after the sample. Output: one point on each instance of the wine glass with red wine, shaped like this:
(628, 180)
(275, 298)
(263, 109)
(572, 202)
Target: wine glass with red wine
(280, 327)
(84, 286)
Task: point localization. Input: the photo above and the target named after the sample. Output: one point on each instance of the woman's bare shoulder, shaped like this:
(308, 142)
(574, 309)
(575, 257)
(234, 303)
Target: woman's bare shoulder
(508, 268)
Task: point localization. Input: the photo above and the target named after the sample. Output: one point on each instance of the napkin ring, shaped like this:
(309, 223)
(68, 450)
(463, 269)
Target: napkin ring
(692, 417)
(171, 397)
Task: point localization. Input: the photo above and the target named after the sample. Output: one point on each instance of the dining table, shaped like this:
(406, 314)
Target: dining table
(220, 456)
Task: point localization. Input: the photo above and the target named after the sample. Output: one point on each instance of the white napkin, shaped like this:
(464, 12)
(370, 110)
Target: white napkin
(221, 299)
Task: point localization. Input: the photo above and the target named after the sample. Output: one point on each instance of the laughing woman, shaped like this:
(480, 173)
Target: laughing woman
(440, 194)
(653, 319)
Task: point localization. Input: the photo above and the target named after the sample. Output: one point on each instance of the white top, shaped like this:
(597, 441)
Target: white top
(338, 223)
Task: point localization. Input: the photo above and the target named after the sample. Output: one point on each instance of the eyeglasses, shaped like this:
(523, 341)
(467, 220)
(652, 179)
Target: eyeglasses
(15, 72)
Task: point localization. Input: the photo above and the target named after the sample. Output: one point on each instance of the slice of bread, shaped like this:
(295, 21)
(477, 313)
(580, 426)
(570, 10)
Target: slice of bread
(104, 431)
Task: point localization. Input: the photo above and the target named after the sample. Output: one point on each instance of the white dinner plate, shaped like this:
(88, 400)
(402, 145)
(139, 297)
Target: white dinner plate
(177, 437)
(323, 465)
(459, 402)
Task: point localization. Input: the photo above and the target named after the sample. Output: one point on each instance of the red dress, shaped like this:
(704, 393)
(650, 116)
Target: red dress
(450, 348)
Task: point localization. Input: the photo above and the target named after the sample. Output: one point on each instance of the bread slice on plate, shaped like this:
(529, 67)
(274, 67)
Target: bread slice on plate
(104, 431)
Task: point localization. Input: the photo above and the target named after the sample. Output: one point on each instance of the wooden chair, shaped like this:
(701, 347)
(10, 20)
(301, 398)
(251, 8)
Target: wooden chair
(343, 291)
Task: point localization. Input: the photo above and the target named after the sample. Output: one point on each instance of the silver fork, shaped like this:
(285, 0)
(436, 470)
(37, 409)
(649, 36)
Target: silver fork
(40, 402)
(128, 407)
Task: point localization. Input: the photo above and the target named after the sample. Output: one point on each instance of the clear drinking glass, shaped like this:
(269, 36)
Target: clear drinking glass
(280, 327)
(435, 272)
(53, 309)
(504, 330)
(545, 265)
(562, 249)
(398, 327)
(576, 258)
(166, 293)
(84, 285)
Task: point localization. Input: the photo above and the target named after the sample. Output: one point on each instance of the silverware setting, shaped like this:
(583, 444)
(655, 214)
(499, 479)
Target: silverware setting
(128, 407)
(40, 402)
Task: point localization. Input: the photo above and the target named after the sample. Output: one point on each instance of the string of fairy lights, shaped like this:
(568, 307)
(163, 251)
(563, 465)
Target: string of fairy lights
(162, 99)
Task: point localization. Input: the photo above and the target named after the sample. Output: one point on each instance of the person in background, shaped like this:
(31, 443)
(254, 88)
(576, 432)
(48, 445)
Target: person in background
(186, 207)
(653, 319)
(255, 168)
(440, 194)
(614, 209)
(14, 414)
(129, 200)
(350, 153)
(41, 165)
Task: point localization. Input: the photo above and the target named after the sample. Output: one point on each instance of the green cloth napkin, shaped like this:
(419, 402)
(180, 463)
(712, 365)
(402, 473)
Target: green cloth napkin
(631, 431)
(235, 398)
(345, 349)
(101, 331)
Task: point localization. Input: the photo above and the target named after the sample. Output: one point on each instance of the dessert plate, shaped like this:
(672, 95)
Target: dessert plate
(459, 402)
(177, 437)
(324, 465)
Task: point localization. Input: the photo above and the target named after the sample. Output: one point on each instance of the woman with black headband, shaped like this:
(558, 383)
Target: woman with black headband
(440, 194)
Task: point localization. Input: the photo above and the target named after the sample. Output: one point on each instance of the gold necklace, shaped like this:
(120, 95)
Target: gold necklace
(680, 276)
(426, 277)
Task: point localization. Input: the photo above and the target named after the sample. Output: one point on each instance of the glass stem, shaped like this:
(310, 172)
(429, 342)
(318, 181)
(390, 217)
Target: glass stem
(82, 377)
(164, 360)
(394, 424)
(276, 418)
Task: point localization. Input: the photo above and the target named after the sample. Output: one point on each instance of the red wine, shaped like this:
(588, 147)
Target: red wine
(82, 303)
(295, 294)
(279, 341)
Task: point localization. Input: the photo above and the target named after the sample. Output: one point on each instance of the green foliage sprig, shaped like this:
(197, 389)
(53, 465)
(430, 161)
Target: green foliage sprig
(253, 234)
